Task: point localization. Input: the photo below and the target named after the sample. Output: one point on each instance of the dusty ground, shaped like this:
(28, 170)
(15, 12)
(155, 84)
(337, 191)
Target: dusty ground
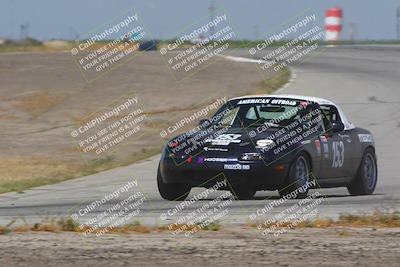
(44, 97)
(236, 247)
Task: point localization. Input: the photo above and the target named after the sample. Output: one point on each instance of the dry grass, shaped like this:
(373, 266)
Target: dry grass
(378, 220)
(270, 85)
(19, 174)
(53, 46)
(38, 103)
(8, 117)
(69, 225)
(213, 226)
(31, 48)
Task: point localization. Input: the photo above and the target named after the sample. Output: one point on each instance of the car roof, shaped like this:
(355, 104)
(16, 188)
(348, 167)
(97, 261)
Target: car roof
(321, 101)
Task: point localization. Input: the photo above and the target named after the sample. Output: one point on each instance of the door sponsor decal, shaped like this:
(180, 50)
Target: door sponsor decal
(215, 149)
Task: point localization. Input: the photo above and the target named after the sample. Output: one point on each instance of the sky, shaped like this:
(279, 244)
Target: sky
(164, 19)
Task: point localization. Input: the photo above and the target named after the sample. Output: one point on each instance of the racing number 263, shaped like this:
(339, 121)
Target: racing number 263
(338, 154)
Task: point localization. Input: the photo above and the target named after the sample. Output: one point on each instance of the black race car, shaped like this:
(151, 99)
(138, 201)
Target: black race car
(288, 143)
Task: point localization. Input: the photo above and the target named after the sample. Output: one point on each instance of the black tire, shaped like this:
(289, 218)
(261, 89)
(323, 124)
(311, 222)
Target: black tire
(364, 182)
(243, 192)
(299, 175)
(172, 192)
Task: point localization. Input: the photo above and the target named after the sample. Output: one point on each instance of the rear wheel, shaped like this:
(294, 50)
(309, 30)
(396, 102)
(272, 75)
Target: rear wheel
(364, 182)
(177, 192)
(298, 176)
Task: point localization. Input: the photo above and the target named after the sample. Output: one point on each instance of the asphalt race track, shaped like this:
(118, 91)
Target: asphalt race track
(363, 80)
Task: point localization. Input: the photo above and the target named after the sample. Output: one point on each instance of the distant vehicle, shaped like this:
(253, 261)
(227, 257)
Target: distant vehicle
(150, 45)
(288, 143)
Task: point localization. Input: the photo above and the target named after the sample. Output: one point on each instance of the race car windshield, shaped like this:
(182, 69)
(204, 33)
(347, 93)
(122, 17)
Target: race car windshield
(253, 113)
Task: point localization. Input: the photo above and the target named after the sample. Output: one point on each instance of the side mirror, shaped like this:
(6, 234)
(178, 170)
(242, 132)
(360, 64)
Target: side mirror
(337, 127)
(204, 123)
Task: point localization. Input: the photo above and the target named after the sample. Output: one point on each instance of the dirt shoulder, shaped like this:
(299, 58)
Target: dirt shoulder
(238, 246)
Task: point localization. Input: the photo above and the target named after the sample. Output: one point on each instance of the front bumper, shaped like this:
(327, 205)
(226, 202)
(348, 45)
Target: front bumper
(258, 174)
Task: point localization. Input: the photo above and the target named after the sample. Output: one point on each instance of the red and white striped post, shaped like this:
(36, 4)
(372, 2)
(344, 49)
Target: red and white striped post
(333, 23)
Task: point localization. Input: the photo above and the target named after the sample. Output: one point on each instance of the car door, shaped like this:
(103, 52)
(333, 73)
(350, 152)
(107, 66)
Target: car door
(337, 146)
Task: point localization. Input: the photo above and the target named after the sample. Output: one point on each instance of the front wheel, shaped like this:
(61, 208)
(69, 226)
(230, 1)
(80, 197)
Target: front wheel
(177, 192)
(298, 178)
(364, 182)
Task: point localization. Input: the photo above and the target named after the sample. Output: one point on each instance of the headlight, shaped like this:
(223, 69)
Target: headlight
(263, 143)
(177, 156)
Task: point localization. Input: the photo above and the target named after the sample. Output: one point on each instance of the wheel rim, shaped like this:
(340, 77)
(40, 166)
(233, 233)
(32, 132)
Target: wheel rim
(301, 171)
(370, 171)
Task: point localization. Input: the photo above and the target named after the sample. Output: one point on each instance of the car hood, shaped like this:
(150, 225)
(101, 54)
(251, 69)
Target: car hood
(221, 139)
